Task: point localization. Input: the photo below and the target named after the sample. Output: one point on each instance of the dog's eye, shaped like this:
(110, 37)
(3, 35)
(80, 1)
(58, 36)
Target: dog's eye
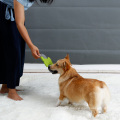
(57, 65)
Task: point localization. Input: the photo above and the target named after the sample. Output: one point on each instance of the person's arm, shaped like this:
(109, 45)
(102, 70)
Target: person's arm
(20, 19)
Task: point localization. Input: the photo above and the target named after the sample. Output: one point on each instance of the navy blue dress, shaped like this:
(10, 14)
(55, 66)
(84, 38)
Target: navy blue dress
(12, 51)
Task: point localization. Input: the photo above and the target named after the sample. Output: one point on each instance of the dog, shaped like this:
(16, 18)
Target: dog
(76, 88)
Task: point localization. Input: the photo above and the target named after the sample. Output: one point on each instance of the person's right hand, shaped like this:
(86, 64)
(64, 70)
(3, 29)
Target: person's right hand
(35, 52)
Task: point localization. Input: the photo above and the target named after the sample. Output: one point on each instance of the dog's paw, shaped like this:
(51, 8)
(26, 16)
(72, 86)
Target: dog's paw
(58, 103)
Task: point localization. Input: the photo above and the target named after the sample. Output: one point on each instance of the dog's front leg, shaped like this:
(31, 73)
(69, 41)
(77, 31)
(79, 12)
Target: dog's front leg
(61, 98)
(58, 102)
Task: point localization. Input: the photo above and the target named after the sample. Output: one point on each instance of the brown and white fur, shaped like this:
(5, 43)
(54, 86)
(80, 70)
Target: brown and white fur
(76, 88)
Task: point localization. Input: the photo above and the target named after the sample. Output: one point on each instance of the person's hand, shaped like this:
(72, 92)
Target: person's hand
(35, 52)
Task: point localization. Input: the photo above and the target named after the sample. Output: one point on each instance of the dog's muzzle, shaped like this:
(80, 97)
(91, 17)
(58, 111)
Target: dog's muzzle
(52, 71)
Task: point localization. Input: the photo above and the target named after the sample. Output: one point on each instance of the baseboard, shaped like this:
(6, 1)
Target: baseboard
(97, 68)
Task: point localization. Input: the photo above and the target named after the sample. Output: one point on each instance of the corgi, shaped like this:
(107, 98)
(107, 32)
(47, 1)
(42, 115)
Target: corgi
(76, 88)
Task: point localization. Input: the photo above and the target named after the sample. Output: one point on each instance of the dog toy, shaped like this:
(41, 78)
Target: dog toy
(46, 60)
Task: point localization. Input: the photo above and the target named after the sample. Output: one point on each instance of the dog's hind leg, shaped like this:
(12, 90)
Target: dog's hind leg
(106, 99)
(104, 108)
(93, 104)
(93, 109)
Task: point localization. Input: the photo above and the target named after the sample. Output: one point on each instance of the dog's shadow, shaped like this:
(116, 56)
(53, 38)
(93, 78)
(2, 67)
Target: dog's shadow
(76, 107)
(50, 101)
(78, 110)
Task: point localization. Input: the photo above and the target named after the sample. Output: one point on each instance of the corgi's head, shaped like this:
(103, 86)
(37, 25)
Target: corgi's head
(61, 66)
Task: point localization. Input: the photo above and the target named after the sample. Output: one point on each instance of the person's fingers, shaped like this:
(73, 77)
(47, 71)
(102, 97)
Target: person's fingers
(38, 53)
(36, 56)
(33, 54)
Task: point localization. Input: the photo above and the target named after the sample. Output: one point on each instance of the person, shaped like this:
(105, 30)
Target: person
(13, 39)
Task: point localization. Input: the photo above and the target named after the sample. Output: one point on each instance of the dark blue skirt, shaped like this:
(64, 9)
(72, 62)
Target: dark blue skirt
(12, 51)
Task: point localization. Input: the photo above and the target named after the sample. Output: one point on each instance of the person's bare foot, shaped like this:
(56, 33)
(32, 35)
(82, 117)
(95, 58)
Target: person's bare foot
(12, 94)
(4, 89)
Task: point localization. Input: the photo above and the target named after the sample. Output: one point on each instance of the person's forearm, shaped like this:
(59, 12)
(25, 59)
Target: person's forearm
(24, 33)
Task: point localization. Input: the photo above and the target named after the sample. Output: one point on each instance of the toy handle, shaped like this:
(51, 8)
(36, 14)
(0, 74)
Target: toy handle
(44, 56)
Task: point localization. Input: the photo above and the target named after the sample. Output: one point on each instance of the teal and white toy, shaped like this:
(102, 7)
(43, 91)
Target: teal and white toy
(46, 60)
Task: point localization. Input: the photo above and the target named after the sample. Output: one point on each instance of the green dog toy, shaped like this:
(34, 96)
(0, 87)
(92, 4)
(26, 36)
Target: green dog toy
(46, 60)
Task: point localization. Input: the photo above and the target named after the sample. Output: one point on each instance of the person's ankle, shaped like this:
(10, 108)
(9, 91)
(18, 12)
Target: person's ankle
(12, 91)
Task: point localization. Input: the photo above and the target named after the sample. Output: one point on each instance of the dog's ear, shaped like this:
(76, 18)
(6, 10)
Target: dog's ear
(66, 66)
(68, 58)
